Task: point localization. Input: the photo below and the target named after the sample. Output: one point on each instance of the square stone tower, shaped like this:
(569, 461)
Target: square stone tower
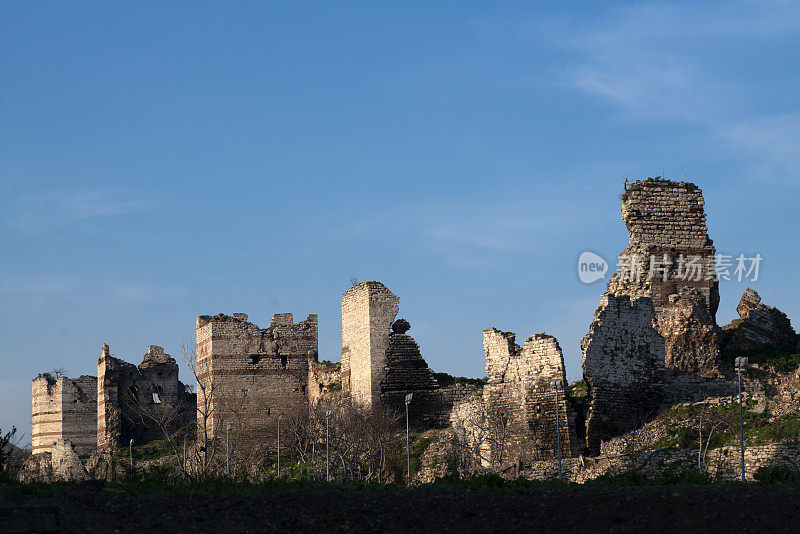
(368, 310)
(248, 376)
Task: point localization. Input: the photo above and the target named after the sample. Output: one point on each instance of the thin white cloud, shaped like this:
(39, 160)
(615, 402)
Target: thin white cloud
(144, 292)
(35, 212)
(774, 141)
(42, 285)
(475, 234)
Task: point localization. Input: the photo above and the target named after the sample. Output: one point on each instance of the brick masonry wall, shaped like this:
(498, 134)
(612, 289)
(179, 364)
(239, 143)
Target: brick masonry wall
(64, 409)
(407, 372)
(253, 375)
(368, 310)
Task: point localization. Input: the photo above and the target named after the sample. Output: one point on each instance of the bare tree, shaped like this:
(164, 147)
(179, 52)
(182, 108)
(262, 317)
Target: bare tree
(7, 446)
(711, 420)
(481, 433)
(204, 448)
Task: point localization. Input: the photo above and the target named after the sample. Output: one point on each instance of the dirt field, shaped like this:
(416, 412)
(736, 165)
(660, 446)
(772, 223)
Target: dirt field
(755, 508)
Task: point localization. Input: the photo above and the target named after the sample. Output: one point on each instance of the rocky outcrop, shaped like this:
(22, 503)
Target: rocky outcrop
(759, 327)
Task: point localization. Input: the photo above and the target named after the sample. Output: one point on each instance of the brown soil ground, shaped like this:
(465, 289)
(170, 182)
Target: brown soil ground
(755, 508)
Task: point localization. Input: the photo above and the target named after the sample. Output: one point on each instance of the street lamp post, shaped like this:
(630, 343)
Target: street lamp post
(558, 385)
(741, 365)
(228, 450)
(279, 445)
(408, 440)
(327, 449)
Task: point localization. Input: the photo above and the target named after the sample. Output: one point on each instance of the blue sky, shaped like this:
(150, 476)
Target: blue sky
(158, 162)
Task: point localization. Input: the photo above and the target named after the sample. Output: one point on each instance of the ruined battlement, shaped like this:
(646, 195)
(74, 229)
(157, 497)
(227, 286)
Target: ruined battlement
(155, 356)
(64, 408)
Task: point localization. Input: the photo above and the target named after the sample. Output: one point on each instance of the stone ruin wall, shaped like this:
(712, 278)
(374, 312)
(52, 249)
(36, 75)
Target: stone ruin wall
(324, 379)
(368, 311)
(722, 464)
(130, 399)
(64, 408)
(253, 375)
(666, 220)
(646, 328)
(519, 395)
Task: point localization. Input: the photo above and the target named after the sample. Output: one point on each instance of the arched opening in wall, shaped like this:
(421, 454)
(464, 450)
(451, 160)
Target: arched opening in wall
(255, 358)
(284, 360)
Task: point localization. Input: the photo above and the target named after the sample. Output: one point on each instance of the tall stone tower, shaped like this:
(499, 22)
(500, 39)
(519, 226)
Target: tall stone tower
(368, 310)
(657, 317)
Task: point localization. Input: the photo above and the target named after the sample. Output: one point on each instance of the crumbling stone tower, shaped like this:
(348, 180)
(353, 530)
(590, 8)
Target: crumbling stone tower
(132, 400)
(520, 402)
(64, 408)
(658, 313)
(368, 311)
(248, 376)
